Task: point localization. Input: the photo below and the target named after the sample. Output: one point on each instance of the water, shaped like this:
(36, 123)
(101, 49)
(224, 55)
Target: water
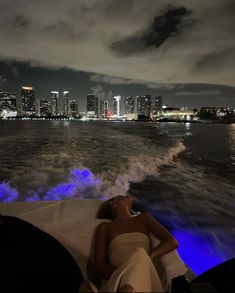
(182, 173)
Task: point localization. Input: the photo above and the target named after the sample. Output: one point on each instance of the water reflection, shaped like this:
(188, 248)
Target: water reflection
(162, 128)
(188, 129)
(197, 251)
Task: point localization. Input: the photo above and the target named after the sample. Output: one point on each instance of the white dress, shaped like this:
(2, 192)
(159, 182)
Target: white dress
(129, 253)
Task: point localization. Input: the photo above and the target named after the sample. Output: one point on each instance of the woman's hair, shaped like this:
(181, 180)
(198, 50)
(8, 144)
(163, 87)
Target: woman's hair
(105, 211)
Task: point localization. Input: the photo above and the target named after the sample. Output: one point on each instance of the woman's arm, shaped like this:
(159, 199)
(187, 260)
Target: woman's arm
(168, 242)
(101, 248)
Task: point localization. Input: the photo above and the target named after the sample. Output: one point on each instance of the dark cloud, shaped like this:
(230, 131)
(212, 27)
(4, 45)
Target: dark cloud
(165, 26)
(20, 21)
(2, 80)
(114, 80)
(170, 47)
(229, 9)
(61, 31)
(216, 60)
(115, 11)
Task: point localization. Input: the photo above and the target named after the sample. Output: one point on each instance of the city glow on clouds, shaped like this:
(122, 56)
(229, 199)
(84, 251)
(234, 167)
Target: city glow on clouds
(199, 93)
(150, 41)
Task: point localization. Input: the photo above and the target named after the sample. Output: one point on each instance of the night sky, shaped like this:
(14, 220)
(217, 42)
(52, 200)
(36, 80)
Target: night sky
(183, 50)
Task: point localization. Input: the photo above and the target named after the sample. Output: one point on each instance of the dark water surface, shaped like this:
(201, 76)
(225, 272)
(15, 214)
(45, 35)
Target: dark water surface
(184, 174)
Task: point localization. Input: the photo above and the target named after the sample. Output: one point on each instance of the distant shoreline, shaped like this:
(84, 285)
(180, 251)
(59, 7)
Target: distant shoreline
(133, 121)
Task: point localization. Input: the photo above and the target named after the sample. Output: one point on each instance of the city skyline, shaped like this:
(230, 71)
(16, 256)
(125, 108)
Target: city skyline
(182, 50)
(144, 108)
(178, 95)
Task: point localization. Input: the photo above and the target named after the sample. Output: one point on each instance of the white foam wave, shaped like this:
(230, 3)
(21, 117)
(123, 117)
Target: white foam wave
(137, 169)
(49, 182)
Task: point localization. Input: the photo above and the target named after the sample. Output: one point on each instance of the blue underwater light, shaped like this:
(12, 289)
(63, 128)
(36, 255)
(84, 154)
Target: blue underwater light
(198, 252)
(81, 183)
(60, 191)
(8, 193)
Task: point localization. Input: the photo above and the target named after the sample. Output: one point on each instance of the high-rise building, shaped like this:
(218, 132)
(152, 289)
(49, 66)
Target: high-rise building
(104, 107)
(45, 108)
(144, 105)
(8, 104)
(92, 104)
(157, 103)
(129, 103)
(66, 103)
(140, 104)
(73, 108)
(148, 105)
(55, 103)
(116, 105)
(27, 101)
(37, 107)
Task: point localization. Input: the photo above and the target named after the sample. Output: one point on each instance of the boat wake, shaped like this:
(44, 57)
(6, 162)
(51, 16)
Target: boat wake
(82, 183)
(137, 169)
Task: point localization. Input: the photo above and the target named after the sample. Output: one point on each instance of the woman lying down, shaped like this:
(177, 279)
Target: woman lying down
(123, 255)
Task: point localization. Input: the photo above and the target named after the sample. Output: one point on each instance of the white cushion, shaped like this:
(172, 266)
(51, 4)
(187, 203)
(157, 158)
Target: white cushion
(76, 237)
(52, 211)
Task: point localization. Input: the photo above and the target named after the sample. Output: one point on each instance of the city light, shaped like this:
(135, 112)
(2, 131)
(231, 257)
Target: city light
(117, 99)
(28, 88)
(148, 108)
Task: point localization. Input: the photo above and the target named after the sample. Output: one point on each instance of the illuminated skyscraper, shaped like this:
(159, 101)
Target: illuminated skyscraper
(116, 105)
(92, 104)
(37, 107)
(73, 108)
(104, 109)
(8, 104)
(129, 103)
(144, 105)
(66, 103)
(27, 101)
(45, 108)
(157, 103)
(55, 103)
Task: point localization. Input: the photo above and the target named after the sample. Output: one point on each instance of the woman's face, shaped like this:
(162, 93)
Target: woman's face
(121, 200)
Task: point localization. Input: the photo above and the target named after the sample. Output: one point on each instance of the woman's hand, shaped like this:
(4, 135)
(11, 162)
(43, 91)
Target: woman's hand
(168, 242)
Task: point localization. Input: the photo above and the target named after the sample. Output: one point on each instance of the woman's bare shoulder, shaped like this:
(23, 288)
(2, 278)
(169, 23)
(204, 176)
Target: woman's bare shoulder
(103, 227)
(144, 216)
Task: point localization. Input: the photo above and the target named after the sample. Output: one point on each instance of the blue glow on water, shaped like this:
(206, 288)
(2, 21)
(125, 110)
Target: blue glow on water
(61, 191)
(198, 252)
(8, 193)
(81, 183)
(32, 198)
(81, 174)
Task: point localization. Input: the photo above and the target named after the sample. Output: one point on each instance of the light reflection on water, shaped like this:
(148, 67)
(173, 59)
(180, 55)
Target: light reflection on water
(198, 251)
(184, 173)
